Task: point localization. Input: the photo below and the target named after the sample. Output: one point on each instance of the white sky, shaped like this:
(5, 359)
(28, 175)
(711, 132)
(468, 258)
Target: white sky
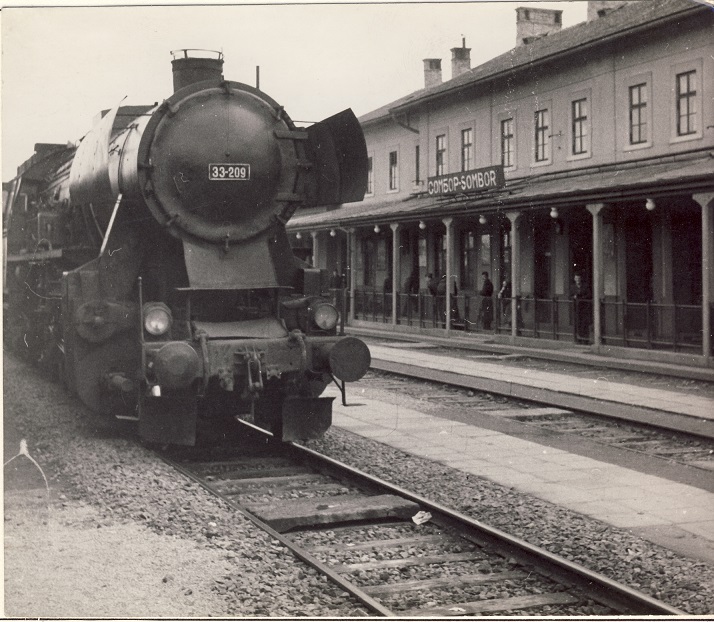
(60, 66)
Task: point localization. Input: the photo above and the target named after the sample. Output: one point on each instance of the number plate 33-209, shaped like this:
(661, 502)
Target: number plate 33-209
(229, 172)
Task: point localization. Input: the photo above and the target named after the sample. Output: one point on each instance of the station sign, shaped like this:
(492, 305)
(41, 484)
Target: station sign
(476, 180)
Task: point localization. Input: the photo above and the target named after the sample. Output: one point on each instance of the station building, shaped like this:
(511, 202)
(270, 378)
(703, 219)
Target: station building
(582, 151)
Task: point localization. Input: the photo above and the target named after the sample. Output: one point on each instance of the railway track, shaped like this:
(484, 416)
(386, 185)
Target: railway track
(674, 447)
(395, 552)
(574, 402)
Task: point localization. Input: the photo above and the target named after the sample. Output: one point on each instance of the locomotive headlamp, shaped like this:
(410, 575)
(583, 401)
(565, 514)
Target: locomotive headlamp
(157, 318)
(325, 316)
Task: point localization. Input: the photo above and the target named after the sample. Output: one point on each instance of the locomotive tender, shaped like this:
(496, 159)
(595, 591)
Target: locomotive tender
(151, 268)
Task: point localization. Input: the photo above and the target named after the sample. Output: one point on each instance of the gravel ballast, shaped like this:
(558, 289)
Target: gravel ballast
(682, 582)
(149, 542)
(186, 553)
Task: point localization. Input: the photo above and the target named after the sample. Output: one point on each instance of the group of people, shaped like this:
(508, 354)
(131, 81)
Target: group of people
(579, 293)
(437, 288)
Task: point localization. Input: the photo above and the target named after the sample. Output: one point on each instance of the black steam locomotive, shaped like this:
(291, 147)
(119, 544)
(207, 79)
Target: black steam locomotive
(150, 266)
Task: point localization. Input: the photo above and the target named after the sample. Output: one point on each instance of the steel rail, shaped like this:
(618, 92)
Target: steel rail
(297, 550)
(606, 591)
(664, 420)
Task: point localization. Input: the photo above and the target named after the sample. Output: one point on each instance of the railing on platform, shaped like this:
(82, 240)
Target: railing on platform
(638, 325)
(652, 325)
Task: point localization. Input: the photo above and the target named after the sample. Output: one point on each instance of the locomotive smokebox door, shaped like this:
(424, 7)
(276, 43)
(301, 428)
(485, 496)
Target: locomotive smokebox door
(168, 420)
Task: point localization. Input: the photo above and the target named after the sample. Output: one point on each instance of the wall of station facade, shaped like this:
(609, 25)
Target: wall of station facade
(650, 251)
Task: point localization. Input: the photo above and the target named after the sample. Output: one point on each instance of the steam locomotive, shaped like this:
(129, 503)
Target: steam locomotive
(150, 267)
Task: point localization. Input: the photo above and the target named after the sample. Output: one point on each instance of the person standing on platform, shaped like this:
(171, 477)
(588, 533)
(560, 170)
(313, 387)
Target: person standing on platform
(411, 289)
(582, 309)
(486, 293)
(432, 283)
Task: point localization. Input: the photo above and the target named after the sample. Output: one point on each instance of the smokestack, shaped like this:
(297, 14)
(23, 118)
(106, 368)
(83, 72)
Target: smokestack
(432, 72)
(188, 69)
(460, 60)
(532, 24)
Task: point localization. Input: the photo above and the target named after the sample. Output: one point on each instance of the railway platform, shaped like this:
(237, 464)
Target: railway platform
(654, 502)
(655, 394)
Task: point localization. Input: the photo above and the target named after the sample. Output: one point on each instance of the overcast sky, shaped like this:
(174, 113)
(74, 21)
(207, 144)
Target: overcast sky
(60, 66)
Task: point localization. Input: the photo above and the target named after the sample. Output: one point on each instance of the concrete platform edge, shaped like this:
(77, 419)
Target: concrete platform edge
(478, 343)
(664, 419)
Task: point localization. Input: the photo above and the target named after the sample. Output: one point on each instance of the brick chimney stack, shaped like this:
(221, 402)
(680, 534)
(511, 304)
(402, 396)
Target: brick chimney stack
(460, 59)
(532, 24)
(432, 72)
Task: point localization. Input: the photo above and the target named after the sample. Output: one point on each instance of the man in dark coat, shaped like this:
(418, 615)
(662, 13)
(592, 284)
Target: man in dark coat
(432, 283)
(441, 292)
(411, 289)
(486, 293)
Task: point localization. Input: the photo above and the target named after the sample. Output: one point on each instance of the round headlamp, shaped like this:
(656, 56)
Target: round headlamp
(157, 318)
(325, 316)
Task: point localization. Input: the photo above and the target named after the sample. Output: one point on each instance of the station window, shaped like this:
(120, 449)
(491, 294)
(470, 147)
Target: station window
(507, 139)
(370, 176)
(467, 149)
(686, 103)
(579, 127)
(542, 136)
(441, 154)
(393, 171)
(638, 114)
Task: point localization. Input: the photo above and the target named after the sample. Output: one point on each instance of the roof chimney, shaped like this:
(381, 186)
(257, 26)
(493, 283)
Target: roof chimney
(197, 66)
(460, 60)
(532, 24)
(432, 72)
(600, 8)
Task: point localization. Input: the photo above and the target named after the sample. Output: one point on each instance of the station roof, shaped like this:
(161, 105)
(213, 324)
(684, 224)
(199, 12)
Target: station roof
(615, 24)
(663, 176)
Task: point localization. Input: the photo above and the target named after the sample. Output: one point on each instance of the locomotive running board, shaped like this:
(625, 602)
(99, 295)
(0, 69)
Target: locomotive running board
(168, 420)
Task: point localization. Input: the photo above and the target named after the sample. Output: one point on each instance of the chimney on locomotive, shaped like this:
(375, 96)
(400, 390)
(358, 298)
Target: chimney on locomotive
(192, 65)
